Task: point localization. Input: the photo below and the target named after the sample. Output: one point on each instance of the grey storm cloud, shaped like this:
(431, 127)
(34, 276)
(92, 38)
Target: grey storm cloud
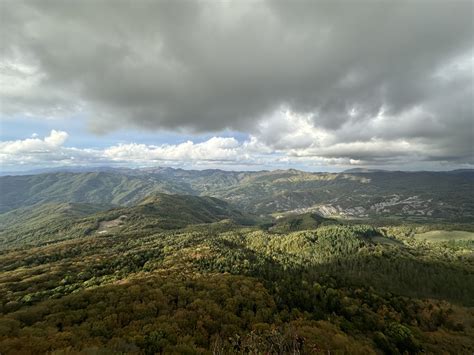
(207, 66)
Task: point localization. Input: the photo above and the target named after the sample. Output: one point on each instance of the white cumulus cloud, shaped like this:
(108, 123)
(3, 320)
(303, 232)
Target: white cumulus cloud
(311, 147)
(33, 145)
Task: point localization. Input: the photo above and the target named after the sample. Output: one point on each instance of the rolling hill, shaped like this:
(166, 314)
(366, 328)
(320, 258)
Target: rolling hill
(50, 222)
(106, 262)
(44, 223)
(305, 221)
(137, 283)
(367, 195)
(93, 187)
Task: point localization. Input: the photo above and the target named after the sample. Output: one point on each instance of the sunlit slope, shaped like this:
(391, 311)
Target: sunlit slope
(445, 236)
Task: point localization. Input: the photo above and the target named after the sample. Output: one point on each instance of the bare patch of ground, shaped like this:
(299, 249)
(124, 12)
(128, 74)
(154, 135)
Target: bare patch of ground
(105, 226)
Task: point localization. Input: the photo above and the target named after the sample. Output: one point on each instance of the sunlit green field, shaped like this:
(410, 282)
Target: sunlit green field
(443, 236)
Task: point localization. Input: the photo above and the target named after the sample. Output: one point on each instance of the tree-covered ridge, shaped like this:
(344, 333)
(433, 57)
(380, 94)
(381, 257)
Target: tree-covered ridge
(292, 222)
(415, 195)
(51, 222)
(44, 223)
(223, 288)
(95, 187)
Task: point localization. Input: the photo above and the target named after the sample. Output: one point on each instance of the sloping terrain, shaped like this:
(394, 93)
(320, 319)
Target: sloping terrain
(165, 211)
(94, 187)
(422, 195)
(43, 223)
(413, 195)
(292, 222)
(193, 274)
(333, 288)
(51, 222)
(445, 236)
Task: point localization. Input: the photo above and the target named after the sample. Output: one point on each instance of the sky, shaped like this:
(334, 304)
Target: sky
(237, 85)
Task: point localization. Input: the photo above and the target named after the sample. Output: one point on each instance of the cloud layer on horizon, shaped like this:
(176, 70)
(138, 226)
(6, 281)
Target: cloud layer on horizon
(215, 152)
(379, 83)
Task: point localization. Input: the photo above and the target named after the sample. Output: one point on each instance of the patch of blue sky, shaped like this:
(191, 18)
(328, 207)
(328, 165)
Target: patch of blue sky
(22, 127)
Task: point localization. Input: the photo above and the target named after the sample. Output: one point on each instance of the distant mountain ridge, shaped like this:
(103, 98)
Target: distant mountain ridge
(162, 169)
(414, 195)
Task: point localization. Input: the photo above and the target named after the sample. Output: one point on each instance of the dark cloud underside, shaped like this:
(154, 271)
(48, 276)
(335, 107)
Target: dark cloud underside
(208, 66)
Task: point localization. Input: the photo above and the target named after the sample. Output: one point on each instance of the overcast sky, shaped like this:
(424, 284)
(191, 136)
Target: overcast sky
(316, 85)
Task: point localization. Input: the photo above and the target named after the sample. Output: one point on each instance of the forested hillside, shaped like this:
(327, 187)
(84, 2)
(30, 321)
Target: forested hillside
(282, 262)
(182, 274)
(414, 195)
(51, 222)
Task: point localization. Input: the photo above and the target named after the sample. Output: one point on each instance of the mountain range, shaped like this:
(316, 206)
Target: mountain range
(358, 195)
(153, 261)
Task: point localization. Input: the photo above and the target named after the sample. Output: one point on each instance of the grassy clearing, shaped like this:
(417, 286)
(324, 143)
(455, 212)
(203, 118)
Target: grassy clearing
(443, 236)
